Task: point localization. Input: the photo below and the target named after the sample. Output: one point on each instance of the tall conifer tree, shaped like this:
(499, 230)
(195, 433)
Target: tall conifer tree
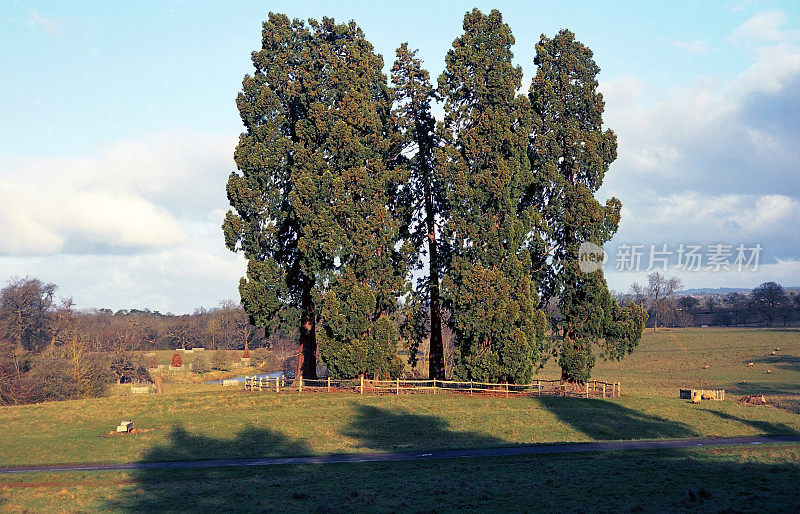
(423, 194)
(313, 202)
(488, 285)
(570, 154)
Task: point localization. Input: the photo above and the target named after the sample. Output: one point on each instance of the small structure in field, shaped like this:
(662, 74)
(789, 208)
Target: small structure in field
(769, 372)
(125, 425)
(750, 364)
(705, 394)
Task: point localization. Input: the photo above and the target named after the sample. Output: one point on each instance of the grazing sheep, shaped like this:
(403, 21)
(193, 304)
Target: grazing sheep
(769, 372)
(749, 364)
(706, 366)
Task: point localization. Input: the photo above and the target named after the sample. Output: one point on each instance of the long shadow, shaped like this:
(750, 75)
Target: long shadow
(767, 427)
(604, 420)
(766, 388)
(669, 480)
(385, 430)
(158, 490)
(787, 362)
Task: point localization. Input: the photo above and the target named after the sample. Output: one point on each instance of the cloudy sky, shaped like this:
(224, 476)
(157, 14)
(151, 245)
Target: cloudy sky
(119, 125)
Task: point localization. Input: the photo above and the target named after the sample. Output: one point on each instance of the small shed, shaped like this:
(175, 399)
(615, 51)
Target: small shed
(705, 394)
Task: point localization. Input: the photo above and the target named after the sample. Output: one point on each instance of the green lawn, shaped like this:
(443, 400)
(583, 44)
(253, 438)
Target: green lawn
(733, 479)
(195, 421)
(225, 423)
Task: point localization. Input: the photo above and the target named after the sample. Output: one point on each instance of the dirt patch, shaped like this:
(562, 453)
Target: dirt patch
(755, 399)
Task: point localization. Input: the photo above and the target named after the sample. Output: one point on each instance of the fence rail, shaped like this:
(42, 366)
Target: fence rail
(538, 388)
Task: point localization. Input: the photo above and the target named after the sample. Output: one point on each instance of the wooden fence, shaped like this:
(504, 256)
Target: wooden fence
(538, 388)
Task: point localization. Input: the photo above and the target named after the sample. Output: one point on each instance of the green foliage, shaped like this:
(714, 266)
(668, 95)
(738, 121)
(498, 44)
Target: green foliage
(571, 153)
(353, 342)
(315, 195)
(488, 284)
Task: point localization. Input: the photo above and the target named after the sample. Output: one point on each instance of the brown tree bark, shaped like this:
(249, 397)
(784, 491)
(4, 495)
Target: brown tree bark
(307, 352)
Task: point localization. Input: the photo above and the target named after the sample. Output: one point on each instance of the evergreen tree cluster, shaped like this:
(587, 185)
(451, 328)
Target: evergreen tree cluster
(347, 185)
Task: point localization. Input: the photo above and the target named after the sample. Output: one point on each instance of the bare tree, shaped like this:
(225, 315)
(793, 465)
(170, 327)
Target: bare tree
(656, 295)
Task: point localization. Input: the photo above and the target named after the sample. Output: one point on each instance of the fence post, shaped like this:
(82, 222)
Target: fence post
(397, 391)
(361, 387)
(470, 387)
(587, 388)
(329, 384)
(434, 385)
(539, 388)
(506, 389)
(604, 389)
(300, 384)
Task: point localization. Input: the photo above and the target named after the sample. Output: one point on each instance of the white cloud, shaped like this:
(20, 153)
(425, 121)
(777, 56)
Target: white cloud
(714, 162)
(135, 225)
(733, 137)
(132, 196)
(761, 27)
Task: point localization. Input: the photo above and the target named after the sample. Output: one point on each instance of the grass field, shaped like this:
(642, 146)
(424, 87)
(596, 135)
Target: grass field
(734, 479)
(193, 421)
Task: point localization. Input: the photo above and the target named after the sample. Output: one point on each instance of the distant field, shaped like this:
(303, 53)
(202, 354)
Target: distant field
(671, 359)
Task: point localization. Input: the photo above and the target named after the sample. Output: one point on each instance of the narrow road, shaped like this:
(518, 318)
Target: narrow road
(662, 444)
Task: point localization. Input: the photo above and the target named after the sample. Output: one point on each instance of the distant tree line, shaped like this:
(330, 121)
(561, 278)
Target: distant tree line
(49, 350)
(767, 305)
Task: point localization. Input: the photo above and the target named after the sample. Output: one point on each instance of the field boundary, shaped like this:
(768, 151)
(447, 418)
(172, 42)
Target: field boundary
(538, 388)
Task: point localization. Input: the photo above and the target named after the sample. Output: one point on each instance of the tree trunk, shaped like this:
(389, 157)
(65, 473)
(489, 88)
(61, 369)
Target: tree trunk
(436, 352)
(307, 353)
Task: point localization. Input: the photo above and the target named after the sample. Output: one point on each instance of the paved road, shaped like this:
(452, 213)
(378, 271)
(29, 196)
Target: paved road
(433, 454)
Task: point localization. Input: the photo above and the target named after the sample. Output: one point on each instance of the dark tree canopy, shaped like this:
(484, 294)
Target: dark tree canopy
(489, 284)
(768, 299)
(313, 204)
(26, 308)
(570, 154)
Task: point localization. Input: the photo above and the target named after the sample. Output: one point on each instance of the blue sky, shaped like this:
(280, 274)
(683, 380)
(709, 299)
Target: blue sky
(119, 127)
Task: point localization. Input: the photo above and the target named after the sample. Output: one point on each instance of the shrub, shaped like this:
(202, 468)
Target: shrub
(200, 364)
(220, 360)
(177, 362)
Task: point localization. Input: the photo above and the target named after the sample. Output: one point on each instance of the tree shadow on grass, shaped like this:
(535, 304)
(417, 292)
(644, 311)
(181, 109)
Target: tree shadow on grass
(684, 480)
(604, 420)
(766, 427)
(386, 430)
(787, 362)
(200, 490)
